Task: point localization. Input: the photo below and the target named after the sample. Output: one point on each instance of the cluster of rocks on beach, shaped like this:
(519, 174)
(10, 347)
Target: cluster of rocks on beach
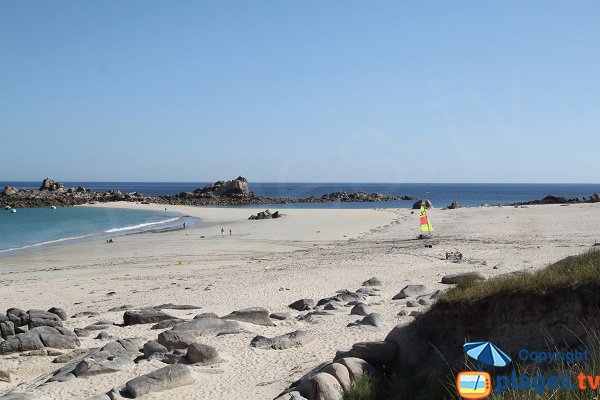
(178, 343)
(233, 192)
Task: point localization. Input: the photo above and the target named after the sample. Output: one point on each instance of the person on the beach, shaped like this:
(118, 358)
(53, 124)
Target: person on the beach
(230, 232)
(222, 231)
(184, 225)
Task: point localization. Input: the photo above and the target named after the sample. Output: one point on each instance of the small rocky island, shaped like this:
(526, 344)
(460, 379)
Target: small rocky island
(233, 192)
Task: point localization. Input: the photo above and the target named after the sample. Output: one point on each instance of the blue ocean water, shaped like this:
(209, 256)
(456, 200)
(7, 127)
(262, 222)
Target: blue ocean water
(32, 227)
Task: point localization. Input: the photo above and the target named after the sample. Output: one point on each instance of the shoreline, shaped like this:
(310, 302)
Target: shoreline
(171, 223)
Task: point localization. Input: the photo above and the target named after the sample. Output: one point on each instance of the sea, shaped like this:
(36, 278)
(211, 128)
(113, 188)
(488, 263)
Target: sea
(37, 227)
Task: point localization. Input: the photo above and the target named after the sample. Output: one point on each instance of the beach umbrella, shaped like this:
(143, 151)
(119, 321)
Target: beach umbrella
(486, 353)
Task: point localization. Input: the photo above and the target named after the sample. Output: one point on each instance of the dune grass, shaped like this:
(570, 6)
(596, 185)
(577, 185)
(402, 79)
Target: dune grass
(567, 272)
(584, 268)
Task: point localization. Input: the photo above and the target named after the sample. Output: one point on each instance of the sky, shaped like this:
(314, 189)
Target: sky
(309, 91)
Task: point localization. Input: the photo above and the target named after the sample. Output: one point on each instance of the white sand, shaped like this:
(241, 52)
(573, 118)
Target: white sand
(270, 264)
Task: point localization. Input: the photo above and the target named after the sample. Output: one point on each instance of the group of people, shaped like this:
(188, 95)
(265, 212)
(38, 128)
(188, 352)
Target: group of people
(223, 232)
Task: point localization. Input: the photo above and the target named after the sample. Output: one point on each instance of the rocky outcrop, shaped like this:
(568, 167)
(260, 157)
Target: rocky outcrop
(552, 199)
(425, 203)
(39, 338)
(235, 188)
(9, 191)
(265, 215)
(51, 185)
(453, 205)
(233, 192)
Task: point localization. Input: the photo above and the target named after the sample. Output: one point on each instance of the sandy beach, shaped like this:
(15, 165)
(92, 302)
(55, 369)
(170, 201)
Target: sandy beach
(308, 253)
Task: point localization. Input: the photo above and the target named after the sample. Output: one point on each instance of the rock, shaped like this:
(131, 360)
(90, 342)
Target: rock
(373, 319)
(360, 309)
(112, 357)
(86, 314)
(333, 305)
(368, 291)
(202, 354)
(171, 306)
(292, 339)
(5, 376)
(166, 378)
(254, 315)
(265, 215)
(402, 313)
(96, 326)
(51, 185)
(460, 279)
(9, 191)
(103, 336)
(124, 307)
(415, 313)
(339, 372)
(206, 315)
(281, 316)
(425, 302)
(206, 326)
(356, 366)
(152, 347)
(7, 328)
(372, 282)
(176, 340)
(425, 202)
(38, 338)
(66, 357)
(453, 206)
(167, 323)
(234, 188)
(344, 296)
(43, 318)
(144, 316)
(375, 353)
(412, 303)
(17, 316)
(302, 304)
(62, 314)
(167, 358)
(321, 386)
(410, 290)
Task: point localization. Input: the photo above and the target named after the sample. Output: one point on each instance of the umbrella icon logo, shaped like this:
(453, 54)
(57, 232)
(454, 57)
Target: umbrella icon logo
(486, 353)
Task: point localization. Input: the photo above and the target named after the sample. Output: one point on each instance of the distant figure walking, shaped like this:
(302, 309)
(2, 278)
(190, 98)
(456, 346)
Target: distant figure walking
(230, 232)
(184, 225)
(222, 231)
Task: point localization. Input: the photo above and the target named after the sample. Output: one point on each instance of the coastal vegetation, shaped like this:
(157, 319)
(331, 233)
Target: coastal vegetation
(575, 326)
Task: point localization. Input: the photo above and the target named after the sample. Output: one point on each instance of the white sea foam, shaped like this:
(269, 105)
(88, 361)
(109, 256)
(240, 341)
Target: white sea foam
(49, 242)
(140, 226)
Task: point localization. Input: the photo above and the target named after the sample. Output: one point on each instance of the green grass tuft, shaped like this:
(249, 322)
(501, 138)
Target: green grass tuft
(567, 272)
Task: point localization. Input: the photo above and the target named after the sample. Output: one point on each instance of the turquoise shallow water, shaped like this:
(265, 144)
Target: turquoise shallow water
(31, 227)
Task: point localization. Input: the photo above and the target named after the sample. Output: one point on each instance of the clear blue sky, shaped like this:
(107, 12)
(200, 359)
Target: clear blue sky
(333, 91)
